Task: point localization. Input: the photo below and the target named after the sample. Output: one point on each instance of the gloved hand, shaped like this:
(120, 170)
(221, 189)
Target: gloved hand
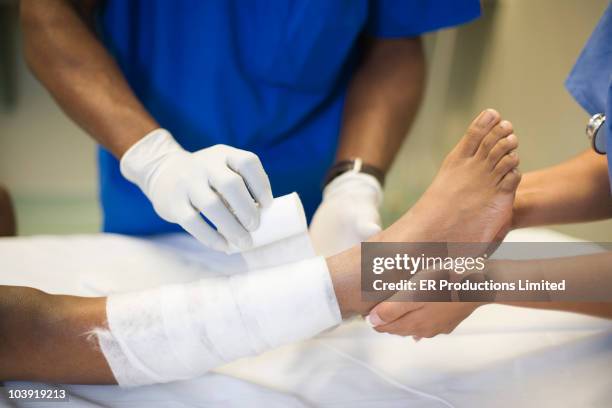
(348, 213)
(227, 185)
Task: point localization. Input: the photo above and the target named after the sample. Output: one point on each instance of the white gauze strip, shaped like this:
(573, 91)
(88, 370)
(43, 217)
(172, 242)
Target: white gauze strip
(181, 331)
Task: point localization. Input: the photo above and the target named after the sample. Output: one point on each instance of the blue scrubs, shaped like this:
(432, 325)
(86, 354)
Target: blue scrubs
(269, 76)
(590, 81)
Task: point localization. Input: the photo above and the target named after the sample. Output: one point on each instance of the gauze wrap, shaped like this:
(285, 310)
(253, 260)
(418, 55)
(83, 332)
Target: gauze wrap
(176, 332)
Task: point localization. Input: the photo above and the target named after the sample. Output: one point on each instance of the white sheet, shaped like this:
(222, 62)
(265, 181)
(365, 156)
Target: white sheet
(500, 356)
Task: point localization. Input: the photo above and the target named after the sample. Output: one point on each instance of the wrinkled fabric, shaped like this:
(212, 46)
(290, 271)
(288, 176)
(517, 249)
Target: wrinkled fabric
(590, 81)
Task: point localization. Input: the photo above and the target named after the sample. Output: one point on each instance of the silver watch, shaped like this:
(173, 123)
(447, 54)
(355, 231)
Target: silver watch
(596, 132)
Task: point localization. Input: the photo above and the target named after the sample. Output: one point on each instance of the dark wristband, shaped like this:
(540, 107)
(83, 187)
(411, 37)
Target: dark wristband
(356, 165)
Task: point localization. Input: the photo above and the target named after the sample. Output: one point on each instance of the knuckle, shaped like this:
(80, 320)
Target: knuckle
(216, 149)
(182, 218)
(386, 312)
(381, 330)
(505, 162)
(210, 204)
(249, 161)
(232, 182)
(429, 334)
(420, 327)
(474, 132)
(251, 158)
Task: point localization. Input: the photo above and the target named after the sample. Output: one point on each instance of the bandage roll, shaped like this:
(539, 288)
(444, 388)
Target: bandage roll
(283, 219)
(181, 331)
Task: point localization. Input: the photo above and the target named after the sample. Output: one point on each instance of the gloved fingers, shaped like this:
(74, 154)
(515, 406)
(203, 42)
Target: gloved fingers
(367, 222)
(210, 204)
(365, 230)
(233, 191)
(249, 167)
(195, 225)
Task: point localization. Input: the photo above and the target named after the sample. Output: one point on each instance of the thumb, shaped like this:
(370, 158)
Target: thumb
(389, 311)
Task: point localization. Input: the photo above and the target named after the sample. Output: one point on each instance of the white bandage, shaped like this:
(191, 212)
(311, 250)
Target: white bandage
(177, 332)
(181, 331)
(284, 218)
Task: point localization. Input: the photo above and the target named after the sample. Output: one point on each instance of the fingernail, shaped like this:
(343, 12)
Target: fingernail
(373, 319)
(486, 117)
(417, 338)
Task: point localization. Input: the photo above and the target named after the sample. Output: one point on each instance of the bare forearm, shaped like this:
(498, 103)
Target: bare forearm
(588, 277)
(382, 101)
(65, 55)
(596, 309)
(45, 337)
(574, 191)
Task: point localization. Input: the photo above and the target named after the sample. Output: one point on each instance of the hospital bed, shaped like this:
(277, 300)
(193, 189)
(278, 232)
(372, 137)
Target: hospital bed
(500, 356)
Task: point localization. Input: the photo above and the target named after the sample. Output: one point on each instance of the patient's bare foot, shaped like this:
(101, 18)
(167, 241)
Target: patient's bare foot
(470, 200)
(471, 197)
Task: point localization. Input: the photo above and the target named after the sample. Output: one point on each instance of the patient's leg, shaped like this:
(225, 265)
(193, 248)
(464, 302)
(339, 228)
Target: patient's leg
(181, 331)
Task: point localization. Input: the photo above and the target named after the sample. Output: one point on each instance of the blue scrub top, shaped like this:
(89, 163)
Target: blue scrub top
(590, 81)
(269, 76)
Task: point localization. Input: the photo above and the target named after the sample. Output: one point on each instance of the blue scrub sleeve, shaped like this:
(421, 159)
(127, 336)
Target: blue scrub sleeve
(408, 18)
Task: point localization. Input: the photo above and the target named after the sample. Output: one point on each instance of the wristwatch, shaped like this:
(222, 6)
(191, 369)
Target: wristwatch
(355, 165)
(596, 132)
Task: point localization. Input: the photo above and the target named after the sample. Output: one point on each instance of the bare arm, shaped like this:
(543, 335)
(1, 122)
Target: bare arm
(596, 309)
(588, 276)
(574, 191)
(382, 101)
(65, 55)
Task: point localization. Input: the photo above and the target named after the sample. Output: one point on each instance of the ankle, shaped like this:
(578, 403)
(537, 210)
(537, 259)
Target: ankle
(345, 271)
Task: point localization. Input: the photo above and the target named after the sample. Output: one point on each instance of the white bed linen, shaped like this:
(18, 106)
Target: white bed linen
(500, 356)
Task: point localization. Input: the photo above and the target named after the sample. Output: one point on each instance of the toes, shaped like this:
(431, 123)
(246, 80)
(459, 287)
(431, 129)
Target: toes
(510, 181)
(477, 130)
(503, 129)
(503, 146)
(506, 164)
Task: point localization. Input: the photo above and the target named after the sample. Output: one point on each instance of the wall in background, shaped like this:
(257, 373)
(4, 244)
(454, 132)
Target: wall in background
(515, 59)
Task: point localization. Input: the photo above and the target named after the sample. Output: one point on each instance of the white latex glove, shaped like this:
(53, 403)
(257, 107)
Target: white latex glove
(348, 213)
(227, 185)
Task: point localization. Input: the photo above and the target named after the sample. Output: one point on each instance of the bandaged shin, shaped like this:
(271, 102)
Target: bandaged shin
(181, 331)
(177, 332)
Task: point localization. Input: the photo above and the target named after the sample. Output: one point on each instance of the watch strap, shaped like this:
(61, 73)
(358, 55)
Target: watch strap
(356, 165)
